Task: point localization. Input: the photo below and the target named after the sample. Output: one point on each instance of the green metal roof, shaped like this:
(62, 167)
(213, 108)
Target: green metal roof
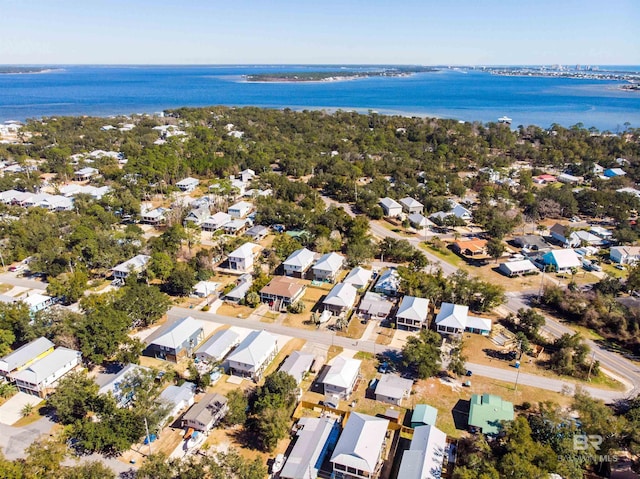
(487, 410)
(424, 414)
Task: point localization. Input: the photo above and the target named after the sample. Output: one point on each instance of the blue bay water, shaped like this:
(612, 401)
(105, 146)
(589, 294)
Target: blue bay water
(470, 95)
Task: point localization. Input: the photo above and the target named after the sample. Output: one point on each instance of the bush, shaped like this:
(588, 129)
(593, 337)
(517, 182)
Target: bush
(297, 308)
(206, 308)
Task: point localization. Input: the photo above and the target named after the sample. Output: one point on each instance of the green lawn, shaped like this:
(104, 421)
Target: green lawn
(446, 255)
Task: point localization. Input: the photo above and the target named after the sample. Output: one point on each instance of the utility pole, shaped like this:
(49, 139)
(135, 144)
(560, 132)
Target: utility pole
(544, 269)
(146, 427)
(593, 358)
(515, 390)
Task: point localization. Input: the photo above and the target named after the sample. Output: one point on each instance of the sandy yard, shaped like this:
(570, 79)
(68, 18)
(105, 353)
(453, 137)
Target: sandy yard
(234, 310)
(481, 350)
(442, 394)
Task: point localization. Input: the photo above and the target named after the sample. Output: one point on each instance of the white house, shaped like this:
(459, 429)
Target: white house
(359, 277)
(215, 222)
(177, 340)
(188, 184)
(456, 210)
(203, 415)
(625, 254)
(36, 301)
(390, 207)
(112, 383)
(563, 260)
(425, 457)
(42, 376)
(374, 306)
(25, 355)
(603, 233)
(455, 319)
(199, 215)
(516, 268)
(561, 234)
(85, 174)
(299, 262)
(570, 179)
(218, 346)
(358, 453)
(257, 232)
(235, 227)
(253, 355)
(585, 237)
(177, 398)
(412, 313)
(154, 216)
(341, 298)
(388, 283)
(240, 209)
(310, 448)
(411, 205)
(341, 377)
(297, 365)
(135, 265)
(203, 289)
(328, 267)
(393, 389)
(417, 220)
(242, 258)
(247, 175)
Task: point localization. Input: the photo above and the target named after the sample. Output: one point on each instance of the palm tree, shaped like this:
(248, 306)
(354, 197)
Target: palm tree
(26, 410)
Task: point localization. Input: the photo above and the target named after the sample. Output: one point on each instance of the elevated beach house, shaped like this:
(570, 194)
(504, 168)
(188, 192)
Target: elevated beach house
(176, 341)
(253, 355)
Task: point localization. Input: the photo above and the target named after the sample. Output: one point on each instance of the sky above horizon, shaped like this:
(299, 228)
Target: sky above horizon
(427, 32)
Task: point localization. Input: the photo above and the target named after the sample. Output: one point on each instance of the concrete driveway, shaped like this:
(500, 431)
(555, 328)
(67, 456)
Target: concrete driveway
(11, 411)
(14, 440)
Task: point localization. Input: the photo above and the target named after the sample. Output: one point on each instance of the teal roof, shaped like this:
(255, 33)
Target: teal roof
(487, 410)
(296, 233)
(424, 414)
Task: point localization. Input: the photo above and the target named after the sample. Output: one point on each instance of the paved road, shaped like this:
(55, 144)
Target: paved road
(311, 335)
(329, 339)
(621, 368)
(14, 280)
(541, 382)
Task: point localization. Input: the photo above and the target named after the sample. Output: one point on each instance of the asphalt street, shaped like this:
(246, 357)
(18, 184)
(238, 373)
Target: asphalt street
(619, 367)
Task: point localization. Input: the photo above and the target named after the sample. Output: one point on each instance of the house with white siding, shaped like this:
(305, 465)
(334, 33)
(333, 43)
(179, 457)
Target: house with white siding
(243, 258)
(425, 457)
(390, 207)
(253, 355)
(135, 265)
(412, 313)
(411, 205)
(41, 377)
(240, 209)
(328, 267)
(358, 453)
(299, 262)
(188, 184)
(341, 377)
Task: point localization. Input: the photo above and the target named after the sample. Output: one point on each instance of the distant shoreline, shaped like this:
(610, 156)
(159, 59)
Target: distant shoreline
(26, 71)
(332, 76)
